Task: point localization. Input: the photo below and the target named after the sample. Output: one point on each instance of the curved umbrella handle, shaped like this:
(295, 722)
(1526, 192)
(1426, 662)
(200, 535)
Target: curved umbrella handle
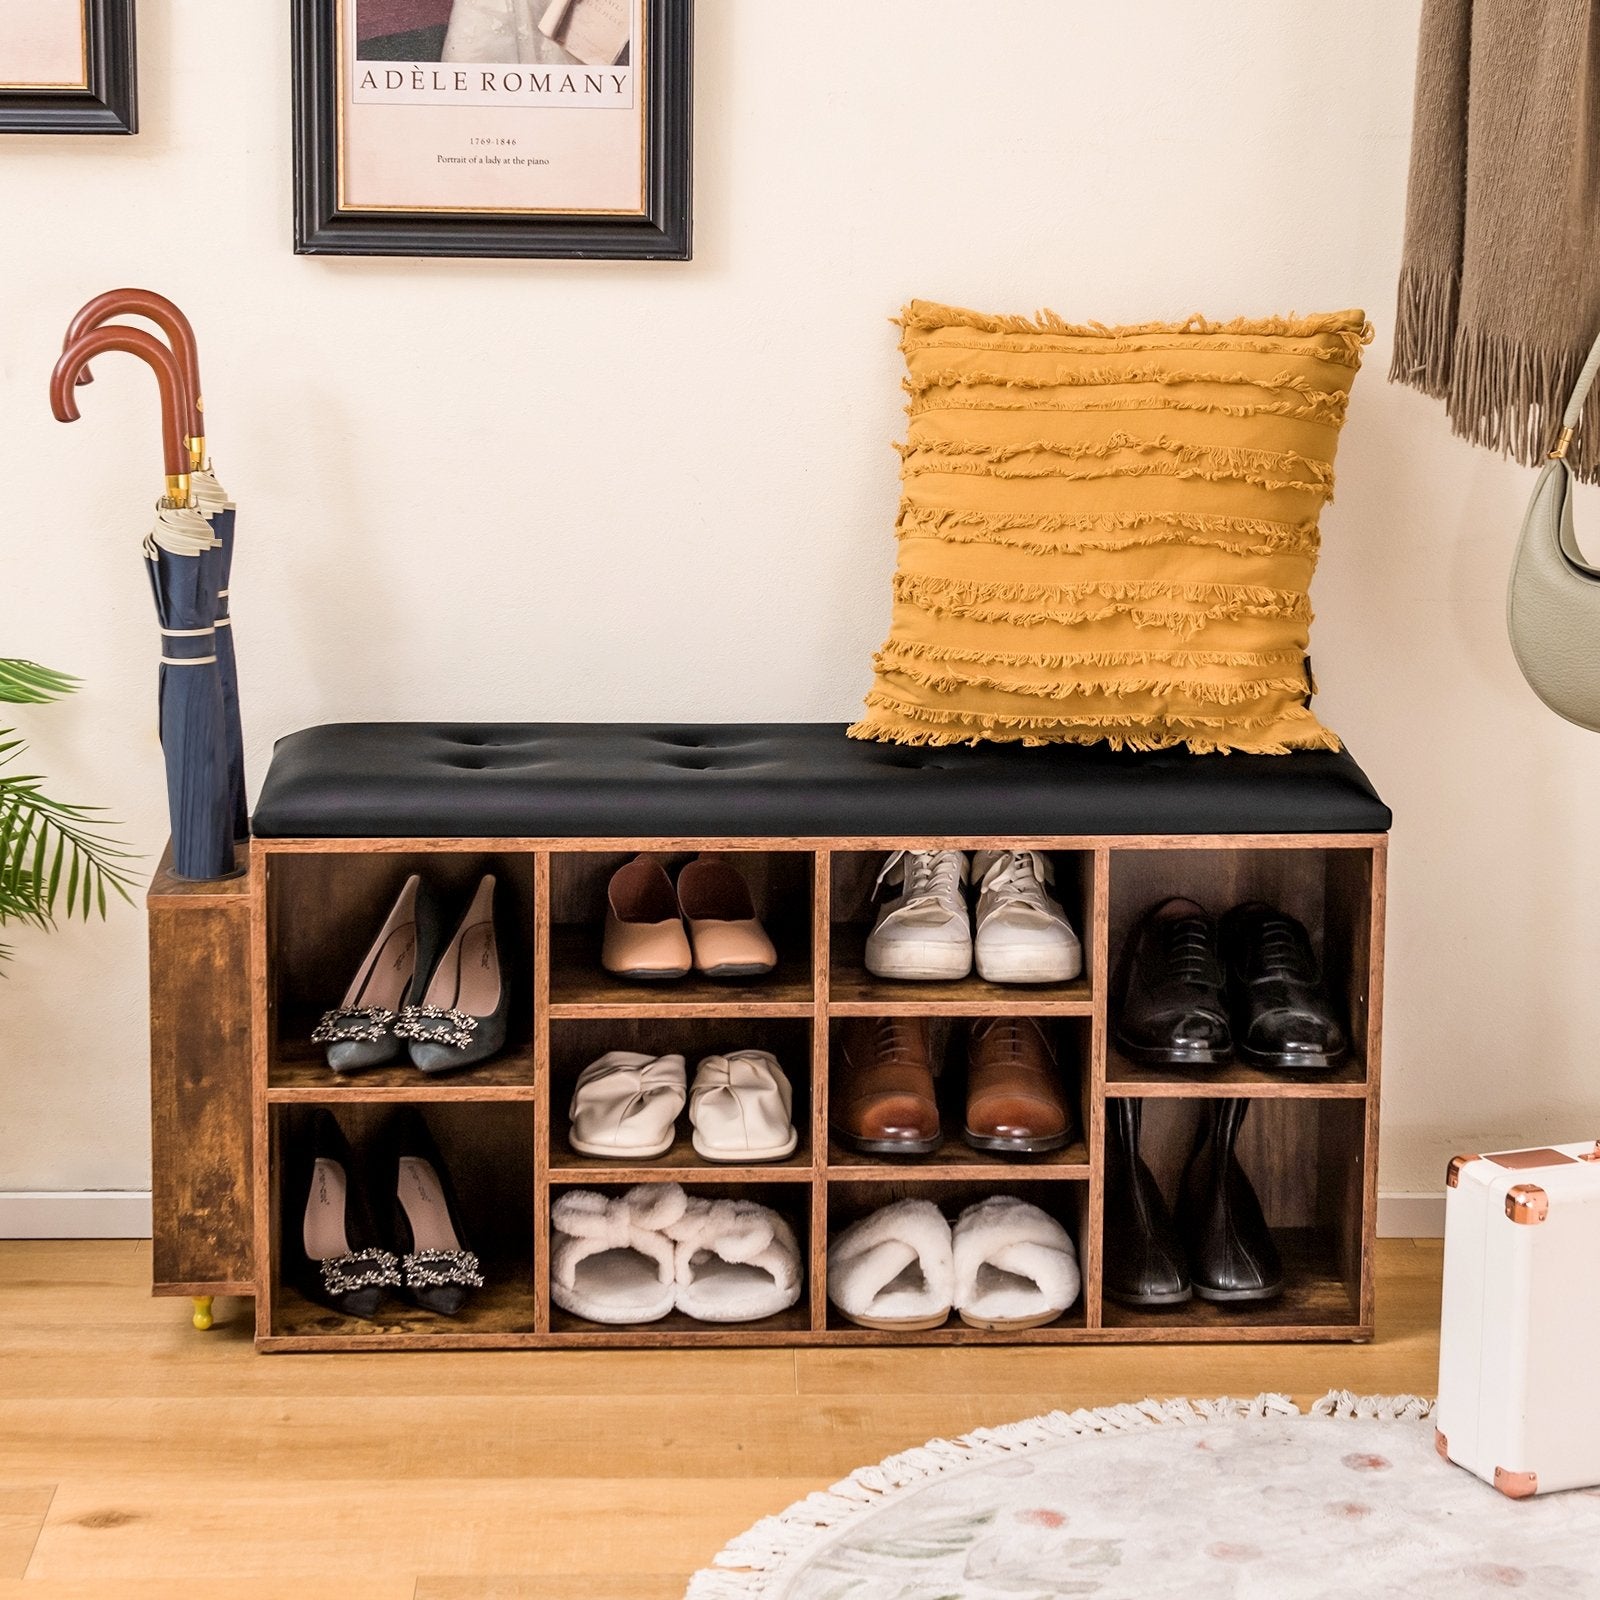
(175, 396)
(180, 335)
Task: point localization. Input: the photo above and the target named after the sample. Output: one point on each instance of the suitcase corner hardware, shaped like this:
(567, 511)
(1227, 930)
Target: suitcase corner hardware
(1441, 1444)
(1592, 1155)
(1452, 1173)
(1528, 1204)
(1516, 1485)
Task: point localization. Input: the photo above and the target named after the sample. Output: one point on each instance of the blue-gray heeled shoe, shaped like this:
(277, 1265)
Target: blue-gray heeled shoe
(461, 1017)
(360, 1032)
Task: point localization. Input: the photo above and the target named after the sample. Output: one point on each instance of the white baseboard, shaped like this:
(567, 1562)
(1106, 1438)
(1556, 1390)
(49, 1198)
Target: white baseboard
(75, 1214)
(125, 1214)
(1411, 1216)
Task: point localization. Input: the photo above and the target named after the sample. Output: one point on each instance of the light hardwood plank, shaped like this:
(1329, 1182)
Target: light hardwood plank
(22, 1514)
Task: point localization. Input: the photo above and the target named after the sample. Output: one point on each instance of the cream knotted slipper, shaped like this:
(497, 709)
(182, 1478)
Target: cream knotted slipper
(626, 1104)
(735, 1261)
(611, 1259)
(1015, 1265)
(894, 1269)
(741, 1108)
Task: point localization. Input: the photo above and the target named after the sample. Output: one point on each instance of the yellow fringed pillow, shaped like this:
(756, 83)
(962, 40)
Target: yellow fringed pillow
(1108, 534)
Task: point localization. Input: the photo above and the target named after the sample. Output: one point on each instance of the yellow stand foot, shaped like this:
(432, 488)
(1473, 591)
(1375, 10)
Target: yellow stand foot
(202, 1312)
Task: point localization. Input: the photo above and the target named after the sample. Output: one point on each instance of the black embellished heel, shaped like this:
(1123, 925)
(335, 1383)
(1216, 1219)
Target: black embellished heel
(330, 1243)
(437, 1269)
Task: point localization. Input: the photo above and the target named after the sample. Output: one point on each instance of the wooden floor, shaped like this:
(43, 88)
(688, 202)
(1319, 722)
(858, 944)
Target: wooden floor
(140, 1458)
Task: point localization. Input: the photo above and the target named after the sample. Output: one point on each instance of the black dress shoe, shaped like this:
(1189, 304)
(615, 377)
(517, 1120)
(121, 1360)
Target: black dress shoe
(1283, 1018)
(331, 1248)
(436, 1267)
(1144, 1262)
(1231, 1253)
(1170, 1010)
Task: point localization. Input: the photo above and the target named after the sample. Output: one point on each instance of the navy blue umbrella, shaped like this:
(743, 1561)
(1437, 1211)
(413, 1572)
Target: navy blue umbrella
(180, 556)
(209, 497)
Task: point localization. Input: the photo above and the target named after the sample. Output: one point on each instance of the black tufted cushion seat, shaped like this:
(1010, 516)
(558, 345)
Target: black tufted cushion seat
(777, 779)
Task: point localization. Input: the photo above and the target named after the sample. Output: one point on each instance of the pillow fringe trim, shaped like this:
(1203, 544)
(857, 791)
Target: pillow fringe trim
(1350, 326)
(1099, 377)
(1179, 468)
(1099, 658)
(1306, 411)
(1203, 690)
(747, 1566)
(1234, 456)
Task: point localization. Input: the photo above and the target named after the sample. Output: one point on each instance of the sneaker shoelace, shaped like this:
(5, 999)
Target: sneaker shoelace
(1020, 876)
(931, 878)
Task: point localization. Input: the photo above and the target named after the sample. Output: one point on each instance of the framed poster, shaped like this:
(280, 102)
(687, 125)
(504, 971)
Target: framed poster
(492, 127)
(67, 66)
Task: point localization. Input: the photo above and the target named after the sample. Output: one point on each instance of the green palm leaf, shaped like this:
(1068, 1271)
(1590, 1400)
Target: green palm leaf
(27, 683)
(43, 840)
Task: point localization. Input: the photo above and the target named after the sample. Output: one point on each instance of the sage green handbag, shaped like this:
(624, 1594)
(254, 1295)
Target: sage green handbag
(1553, 604)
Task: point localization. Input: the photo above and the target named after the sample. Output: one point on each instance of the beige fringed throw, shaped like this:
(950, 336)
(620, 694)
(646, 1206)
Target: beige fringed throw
(1500, 288)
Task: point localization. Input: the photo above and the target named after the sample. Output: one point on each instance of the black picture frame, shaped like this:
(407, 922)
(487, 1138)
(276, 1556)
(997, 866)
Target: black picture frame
(110, 103)
(663, 233)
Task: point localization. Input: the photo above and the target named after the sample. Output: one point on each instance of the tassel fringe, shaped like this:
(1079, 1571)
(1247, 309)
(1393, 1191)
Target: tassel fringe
(1178, 659)
(749, 1567)
(1424, 333)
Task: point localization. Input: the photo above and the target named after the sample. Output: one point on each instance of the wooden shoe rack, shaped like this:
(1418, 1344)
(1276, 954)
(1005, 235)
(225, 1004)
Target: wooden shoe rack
(243, 967)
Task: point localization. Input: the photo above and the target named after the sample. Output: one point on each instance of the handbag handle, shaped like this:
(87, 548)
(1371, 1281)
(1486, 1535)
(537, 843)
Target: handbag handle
(1580, 393)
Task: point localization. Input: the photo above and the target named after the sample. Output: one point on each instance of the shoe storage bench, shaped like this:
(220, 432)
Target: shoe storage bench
(242, 968)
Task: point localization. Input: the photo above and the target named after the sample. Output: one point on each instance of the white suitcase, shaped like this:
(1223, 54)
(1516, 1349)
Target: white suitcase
(1519, 1367)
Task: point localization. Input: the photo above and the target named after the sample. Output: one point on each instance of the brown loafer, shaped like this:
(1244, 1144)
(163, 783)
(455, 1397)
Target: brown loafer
(1015, 1099)
(880, 1094)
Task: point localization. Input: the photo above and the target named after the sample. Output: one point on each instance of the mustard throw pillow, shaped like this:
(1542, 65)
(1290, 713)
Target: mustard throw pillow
(1109, 533)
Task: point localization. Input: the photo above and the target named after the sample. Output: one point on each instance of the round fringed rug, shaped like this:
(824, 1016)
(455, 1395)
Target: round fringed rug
(1173, 1500)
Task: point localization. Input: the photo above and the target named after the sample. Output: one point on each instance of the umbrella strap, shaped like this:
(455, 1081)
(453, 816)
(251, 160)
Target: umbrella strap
(188, 633)
(222, 605)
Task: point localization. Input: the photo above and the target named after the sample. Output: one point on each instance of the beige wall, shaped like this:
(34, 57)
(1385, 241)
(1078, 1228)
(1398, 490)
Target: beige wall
(579, 491)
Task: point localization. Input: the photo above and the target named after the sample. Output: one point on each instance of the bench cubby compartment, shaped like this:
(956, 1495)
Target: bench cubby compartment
(488, 1149)
(1068, 1202)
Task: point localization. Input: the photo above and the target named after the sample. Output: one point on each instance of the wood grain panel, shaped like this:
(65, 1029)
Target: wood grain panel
(200, 1124)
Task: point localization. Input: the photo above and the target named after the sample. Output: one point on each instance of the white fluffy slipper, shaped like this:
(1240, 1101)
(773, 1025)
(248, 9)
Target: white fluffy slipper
(611, 1259)
(741, 1108)
(1015, 1266)
(735, 1262)
(894, 1269)
(626, 1104)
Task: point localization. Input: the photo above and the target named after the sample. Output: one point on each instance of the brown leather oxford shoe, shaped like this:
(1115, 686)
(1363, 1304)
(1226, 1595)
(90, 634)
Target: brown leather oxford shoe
(1016, 1102)
(880, 1094)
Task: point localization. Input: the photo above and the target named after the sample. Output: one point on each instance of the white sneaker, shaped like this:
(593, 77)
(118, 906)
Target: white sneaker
(924, 932)
(1023, 934)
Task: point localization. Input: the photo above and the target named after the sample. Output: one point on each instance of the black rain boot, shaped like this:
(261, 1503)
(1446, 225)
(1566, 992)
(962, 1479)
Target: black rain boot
(1144, 1263)
(1231, 1253)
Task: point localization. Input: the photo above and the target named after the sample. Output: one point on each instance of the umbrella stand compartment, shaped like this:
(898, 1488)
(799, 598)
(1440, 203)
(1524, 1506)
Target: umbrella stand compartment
(242, 968)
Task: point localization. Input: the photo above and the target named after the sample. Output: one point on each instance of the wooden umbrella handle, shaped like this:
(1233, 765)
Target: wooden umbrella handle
(169, 378)
(166, 316)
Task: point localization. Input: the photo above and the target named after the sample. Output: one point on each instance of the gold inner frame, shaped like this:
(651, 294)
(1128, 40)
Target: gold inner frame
(83, 61)
(642, 85)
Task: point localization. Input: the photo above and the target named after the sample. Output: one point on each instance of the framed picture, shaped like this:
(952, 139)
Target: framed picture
(67, 66)
(492, 127)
